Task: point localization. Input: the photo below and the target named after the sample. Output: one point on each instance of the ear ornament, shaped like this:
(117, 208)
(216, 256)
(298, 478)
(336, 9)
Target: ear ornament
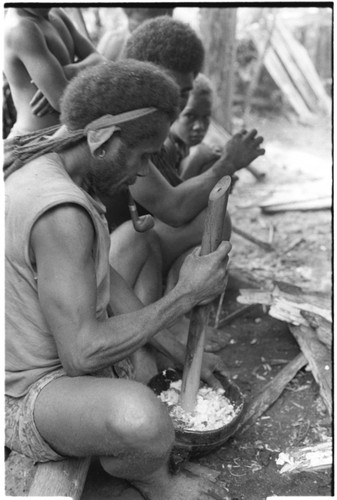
(101, 154)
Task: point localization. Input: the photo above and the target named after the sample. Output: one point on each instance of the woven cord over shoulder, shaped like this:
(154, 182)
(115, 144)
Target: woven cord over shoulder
(21, 149)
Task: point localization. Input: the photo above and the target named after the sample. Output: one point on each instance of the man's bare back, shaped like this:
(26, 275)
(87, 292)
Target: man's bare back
(40, 53)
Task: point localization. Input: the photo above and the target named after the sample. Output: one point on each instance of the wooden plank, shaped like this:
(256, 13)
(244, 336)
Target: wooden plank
(323, 203)
(284, 52)
(304, 63)
(19, 474)
(277, 71)
(65, 478)
(319, 359)
(270, 393)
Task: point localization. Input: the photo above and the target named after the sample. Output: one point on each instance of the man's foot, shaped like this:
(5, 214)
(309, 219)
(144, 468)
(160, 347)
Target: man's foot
(216, 339)
(186, 485)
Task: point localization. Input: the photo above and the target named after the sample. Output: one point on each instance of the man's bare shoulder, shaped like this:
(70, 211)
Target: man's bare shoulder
(20, 30)
(67, 224)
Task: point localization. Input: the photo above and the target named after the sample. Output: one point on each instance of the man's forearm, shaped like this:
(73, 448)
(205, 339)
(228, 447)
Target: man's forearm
(194, 192)
(134, 325)
(164, 341)
(71, 70)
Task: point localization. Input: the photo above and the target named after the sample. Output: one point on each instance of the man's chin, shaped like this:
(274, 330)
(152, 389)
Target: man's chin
(194, 141)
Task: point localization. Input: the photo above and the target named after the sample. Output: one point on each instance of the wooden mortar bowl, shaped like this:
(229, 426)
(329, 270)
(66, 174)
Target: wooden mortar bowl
(200, 443)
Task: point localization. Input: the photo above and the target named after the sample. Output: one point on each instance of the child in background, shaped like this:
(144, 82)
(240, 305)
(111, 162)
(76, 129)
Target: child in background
(190, 128)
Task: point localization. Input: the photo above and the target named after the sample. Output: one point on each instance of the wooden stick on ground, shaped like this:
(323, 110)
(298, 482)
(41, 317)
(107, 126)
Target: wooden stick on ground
(249, 237)
(233, 315)
(212, 237)
(270, 392)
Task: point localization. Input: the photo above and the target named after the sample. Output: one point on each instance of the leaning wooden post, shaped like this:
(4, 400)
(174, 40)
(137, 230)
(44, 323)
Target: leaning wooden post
(212, 237)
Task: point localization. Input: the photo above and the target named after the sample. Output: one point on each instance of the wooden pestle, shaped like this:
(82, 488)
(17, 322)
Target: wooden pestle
(212, 237)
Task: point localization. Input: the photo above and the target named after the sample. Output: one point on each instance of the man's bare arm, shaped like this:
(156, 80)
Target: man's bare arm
(124, 300)
(178, 205)
(85, 53)
(62, 244)
(28, 45)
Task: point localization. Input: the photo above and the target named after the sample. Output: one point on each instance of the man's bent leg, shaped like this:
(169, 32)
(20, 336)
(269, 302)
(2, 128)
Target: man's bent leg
(120, 421)
(137, 257)
(177, 241)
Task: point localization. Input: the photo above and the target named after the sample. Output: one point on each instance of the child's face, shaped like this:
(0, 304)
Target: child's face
(192, 124)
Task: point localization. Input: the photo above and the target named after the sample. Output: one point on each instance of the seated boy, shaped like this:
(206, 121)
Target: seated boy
(189, 130)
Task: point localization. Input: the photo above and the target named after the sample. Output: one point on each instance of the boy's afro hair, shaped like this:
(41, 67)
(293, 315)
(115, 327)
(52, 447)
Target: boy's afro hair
(202, 85)
(167, 42)
(148, 12)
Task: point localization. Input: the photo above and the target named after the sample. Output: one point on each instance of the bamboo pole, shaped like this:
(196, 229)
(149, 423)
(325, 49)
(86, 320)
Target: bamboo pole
(212, 237)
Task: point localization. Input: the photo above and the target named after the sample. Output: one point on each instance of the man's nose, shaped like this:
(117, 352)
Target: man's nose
(198, 125)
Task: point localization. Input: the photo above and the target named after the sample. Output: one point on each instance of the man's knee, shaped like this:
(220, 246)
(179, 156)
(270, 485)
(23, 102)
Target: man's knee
(142, 421)
(125, 239)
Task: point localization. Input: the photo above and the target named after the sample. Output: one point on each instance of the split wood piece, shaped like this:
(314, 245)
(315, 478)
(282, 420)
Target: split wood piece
(306, 459)
(61, 479)
(319, 359)
(289, 306)
(270, 393)
(249, 237)
(212, 237)
(321, 325)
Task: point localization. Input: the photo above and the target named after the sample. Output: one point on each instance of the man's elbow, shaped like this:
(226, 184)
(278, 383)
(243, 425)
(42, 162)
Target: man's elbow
(76, 364)
(173, 216)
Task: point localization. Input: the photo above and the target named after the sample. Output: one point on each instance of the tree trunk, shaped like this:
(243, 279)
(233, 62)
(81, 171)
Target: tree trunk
(217, 26)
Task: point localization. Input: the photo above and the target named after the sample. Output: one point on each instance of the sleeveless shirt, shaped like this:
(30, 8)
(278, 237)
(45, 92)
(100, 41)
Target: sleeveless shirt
(29, 192)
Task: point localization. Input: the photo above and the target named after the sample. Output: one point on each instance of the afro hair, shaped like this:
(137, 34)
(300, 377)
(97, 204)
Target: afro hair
(167, 42)
(117, 87)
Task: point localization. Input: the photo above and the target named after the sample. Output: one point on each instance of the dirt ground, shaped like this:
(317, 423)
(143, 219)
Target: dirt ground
(259, 346)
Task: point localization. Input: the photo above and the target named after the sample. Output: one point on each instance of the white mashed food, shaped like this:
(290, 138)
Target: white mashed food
(212, 411)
